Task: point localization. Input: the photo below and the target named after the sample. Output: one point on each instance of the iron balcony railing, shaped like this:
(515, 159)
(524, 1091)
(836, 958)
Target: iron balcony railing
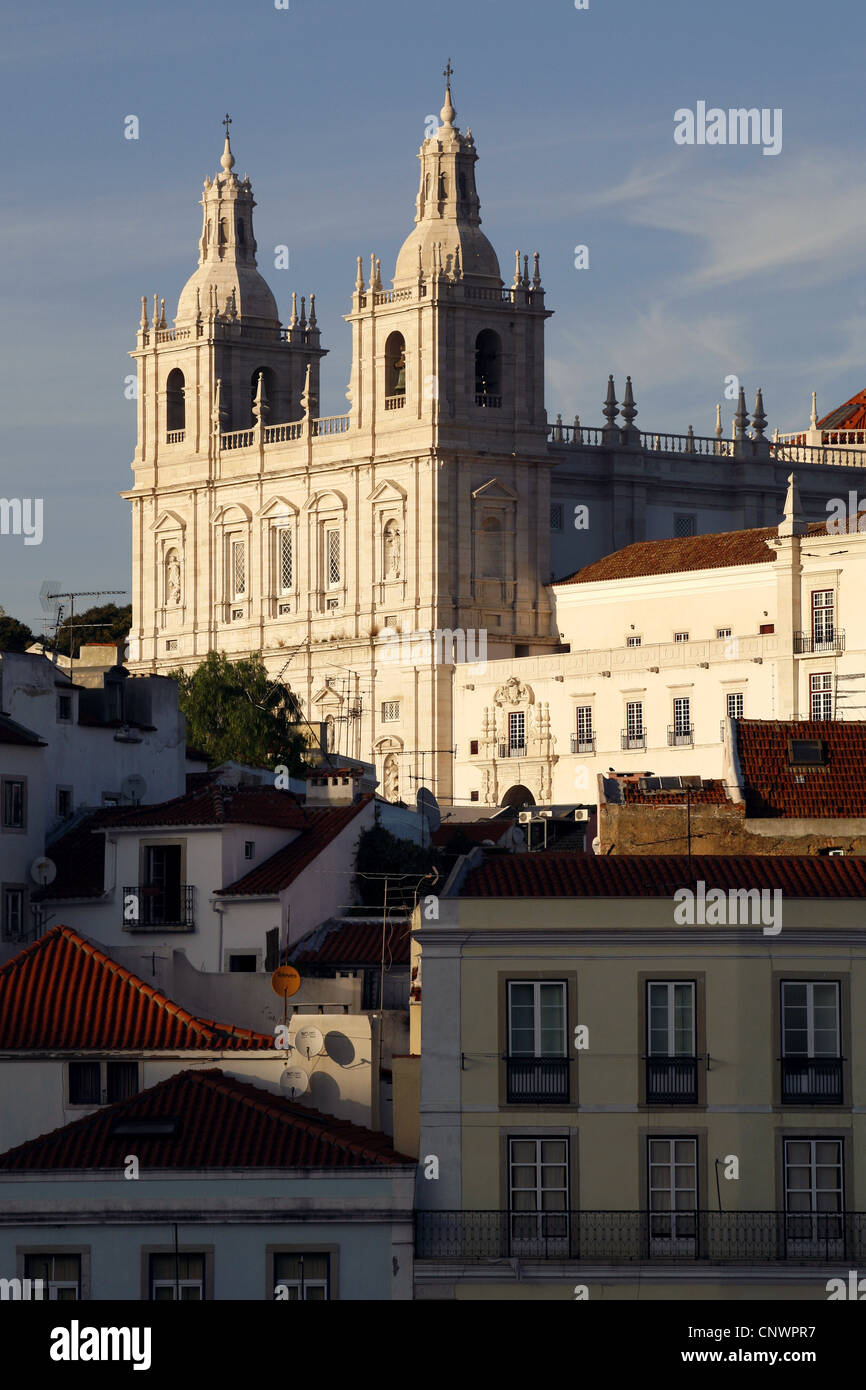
(583, 744)
(681, 736)
(149, 908)
(831, 642)
(537, 1080)
(633, 741)
(812, 1080)
(631, 1237)
(672, 1080)
(512, 750)
(488, 401)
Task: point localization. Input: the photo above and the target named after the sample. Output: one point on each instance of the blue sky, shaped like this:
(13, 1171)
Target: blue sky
(704, 261)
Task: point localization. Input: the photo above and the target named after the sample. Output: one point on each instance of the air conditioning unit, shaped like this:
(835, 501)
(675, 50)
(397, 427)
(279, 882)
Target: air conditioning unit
(524, 817)
(545, 814)
(581, 814)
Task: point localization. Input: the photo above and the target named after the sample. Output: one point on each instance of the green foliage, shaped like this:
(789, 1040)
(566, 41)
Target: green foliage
(14, 636)
(103, 623)
(380, 852)
(235, 712)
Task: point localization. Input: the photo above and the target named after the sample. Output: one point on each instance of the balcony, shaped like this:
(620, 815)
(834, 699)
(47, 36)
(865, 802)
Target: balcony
(631, 743)
(672, 1080)
(632, 1237)
(512, 750)
(811, 1081)
(537, 1080)
(581, 744)
(149, 908)
(681, 736)
(395, 402)
(487, 401)
(830, 643)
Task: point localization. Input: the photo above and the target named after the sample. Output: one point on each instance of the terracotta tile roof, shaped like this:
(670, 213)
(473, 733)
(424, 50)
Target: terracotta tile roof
(475, 830)
(353, 944)
(216, 804)
(63, 992)
(321, 826)
(850, 416)
(13, 732)
(837, 789)
(546, 875)
(79, 857)
(710, 793)
(221, 1123)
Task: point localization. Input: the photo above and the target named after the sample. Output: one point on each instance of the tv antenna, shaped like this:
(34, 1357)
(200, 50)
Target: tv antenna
(50, 599)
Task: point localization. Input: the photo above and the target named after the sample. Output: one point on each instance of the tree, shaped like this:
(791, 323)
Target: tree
(236, 712)
(14, 636)
(104, 623)
(380, 852)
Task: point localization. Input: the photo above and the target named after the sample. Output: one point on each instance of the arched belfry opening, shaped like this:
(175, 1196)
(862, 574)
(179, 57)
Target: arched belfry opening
(395, 366)
(175, 404)
(488, 368)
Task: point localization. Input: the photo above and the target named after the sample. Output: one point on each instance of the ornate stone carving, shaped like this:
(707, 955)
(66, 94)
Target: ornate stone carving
(172, 578)
(514, 692)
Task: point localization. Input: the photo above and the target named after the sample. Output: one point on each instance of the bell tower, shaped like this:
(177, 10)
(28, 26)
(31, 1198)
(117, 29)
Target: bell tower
(227, 348)
(450, 346)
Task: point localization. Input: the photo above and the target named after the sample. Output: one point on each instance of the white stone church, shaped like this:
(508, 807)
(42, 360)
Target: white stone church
(444, 502)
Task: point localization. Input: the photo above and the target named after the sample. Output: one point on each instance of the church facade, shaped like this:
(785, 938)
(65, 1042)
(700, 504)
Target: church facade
(441, 504)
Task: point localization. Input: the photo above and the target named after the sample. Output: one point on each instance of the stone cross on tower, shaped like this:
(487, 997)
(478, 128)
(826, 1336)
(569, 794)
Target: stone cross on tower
(227, 122)
(448, 72)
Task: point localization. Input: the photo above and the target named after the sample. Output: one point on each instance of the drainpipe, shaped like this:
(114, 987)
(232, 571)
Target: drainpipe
(219, 908)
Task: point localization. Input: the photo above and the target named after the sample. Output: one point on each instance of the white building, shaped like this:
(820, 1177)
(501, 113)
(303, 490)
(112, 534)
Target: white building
(667, 639)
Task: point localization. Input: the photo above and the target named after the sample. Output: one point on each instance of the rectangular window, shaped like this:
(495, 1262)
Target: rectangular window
(473, 796)
(242, 963)
(671, 1076)
(285, 560)
(516, 732)
(171, 644)
(177, 1277)
(538, 1195)
(14, 804)
(332, 558)
(766, 628)
(634, 730)
(813, 1196)
(821, 696)
(685, 526)
(681, 637)
(64, 709)
(473, 747)
(823, 619)
(811, 1047)
(249, 849)
(556, 516)
(390, 711)
(537, 1018)
(64, 802)
(13, 914)
(102, 1083)
(672, 1185)
(682, 725)
(238, 568)
(306, 1277)
(734, 704)
(61, 1275)
(723, 632)
(632, 641)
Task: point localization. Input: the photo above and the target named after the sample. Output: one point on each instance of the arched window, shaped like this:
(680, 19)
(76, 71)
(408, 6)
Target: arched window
(242, 236)
(269, 393)
(518, 797)
(222, 236)
(443, 187)
(488, 369)
(395, 366)
(490, 548)
(175, 407)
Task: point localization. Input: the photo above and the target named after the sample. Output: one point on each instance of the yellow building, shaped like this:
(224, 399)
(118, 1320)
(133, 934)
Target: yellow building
(640, 1077)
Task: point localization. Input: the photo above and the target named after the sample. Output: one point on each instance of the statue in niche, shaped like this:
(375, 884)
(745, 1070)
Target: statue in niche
(392, 550)
(172, 578)
(391, 778)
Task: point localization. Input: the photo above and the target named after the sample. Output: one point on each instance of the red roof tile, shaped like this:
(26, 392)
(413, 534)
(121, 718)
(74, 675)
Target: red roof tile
(321, 826)
(216, 804)
(223, 1123)
(710, 793)
(850, 416)
(836, 789)
(353, 944)
(63, 993)
(547, 875)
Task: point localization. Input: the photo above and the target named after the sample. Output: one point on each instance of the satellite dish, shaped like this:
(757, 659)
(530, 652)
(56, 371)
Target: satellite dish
(309, 1042)
(285, 981)
(295, 1081)
(43, 871)
(428, 807)
(132, 788)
